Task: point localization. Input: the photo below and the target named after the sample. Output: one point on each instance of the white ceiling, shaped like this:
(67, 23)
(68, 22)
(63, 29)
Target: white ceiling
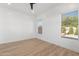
(39, 8)
(43, 7)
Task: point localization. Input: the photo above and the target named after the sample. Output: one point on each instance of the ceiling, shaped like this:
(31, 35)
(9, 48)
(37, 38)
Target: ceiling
(39, 8)
(43, 7)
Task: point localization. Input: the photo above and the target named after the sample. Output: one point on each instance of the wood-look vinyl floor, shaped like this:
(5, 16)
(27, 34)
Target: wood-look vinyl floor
(34, 47)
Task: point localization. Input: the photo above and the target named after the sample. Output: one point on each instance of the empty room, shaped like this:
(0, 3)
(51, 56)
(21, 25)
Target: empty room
(39, 29)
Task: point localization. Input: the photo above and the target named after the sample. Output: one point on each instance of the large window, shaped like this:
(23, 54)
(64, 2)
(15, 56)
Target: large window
(69, 25)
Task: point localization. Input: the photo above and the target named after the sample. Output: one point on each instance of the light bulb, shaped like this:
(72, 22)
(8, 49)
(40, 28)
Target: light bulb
(32, 11)
(9, 3)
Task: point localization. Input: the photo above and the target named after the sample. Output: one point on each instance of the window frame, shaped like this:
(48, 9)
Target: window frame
(78, 24)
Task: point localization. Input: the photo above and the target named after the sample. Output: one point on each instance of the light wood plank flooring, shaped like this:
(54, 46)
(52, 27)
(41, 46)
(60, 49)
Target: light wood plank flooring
(34, 47)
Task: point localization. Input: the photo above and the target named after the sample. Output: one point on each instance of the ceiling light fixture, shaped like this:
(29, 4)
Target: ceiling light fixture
(32, 6)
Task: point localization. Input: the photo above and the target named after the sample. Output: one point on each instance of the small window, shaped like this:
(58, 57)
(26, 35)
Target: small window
(69, 25)
(40, 29)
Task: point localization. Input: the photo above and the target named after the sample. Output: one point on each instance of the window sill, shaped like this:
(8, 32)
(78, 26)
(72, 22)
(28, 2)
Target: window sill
(70, 37)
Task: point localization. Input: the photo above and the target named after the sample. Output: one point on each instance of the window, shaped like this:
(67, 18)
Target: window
(69, 25)
(40, 29)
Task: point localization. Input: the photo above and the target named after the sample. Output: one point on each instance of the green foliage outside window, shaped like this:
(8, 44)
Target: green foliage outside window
(76, 33)
(70, 30)
(63, 29)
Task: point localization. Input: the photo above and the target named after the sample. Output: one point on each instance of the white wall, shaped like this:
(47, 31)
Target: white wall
(52, 26)
(14, 25)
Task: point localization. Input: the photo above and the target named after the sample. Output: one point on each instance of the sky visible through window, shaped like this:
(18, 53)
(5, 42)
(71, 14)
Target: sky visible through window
(74, 13)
